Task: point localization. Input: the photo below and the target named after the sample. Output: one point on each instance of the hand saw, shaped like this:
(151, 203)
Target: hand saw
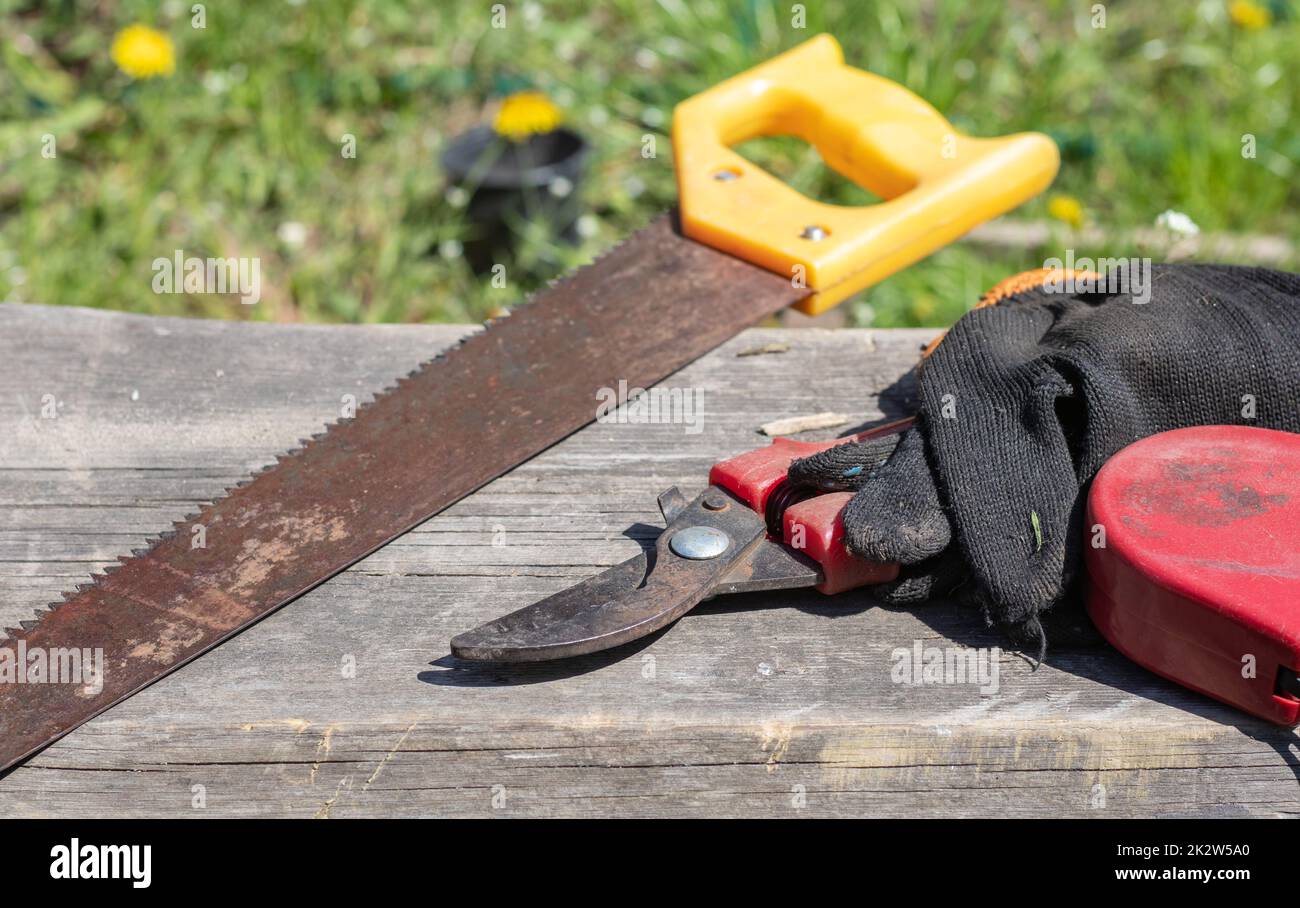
(742, 247)
(752, 529)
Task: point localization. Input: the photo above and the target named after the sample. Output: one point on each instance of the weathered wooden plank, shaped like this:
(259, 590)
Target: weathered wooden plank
(780, 704)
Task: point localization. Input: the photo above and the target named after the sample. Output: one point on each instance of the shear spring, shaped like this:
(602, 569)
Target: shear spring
(779, 500)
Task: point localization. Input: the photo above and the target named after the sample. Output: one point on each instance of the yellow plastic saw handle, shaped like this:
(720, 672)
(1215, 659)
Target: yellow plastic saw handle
(937, 184)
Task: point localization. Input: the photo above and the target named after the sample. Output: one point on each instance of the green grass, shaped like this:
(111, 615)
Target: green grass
(245, 138)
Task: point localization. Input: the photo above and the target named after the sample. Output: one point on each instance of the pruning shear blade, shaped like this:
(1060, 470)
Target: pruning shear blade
(650, 591)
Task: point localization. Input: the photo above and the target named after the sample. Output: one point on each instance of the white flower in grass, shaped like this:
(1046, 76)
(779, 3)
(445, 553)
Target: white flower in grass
(216, 82)
(1177, 222)
(292, 233)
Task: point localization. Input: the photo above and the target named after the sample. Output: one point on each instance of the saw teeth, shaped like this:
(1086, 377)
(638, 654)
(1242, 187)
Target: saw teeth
(206, 517)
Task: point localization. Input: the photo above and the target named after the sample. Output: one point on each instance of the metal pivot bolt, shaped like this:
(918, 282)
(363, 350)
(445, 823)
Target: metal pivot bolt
(815, 232)
(699, 543)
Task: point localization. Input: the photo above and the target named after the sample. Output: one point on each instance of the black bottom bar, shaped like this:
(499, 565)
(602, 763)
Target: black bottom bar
(211, 859)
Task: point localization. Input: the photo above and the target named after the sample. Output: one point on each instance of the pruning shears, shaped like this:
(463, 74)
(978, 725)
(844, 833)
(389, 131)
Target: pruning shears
(752, 529)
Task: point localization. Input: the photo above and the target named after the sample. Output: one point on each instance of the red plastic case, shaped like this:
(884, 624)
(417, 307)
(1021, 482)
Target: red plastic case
(1197, 575)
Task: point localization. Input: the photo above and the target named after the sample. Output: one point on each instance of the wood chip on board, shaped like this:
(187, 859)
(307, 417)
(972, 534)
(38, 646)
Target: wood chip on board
(793, 425)
(764, 350)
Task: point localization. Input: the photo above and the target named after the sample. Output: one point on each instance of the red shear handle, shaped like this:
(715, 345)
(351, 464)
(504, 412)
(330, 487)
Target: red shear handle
(814, 526)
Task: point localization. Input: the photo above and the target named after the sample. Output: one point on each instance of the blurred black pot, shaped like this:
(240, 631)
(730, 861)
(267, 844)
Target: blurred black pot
(513, 183)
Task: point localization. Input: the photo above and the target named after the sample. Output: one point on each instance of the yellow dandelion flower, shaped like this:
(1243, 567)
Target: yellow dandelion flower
(921, 309)
(1066, 208)
(524, 114)
(1250, 15)
(143, 52)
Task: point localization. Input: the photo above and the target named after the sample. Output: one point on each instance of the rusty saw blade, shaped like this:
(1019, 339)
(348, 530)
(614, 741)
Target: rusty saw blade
(642, 311)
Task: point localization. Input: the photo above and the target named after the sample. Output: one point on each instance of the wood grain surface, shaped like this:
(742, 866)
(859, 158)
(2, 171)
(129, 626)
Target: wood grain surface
(346, 702)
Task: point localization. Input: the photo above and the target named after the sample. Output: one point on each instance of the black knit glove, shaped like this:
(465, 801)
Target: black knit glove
(1025, 399)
